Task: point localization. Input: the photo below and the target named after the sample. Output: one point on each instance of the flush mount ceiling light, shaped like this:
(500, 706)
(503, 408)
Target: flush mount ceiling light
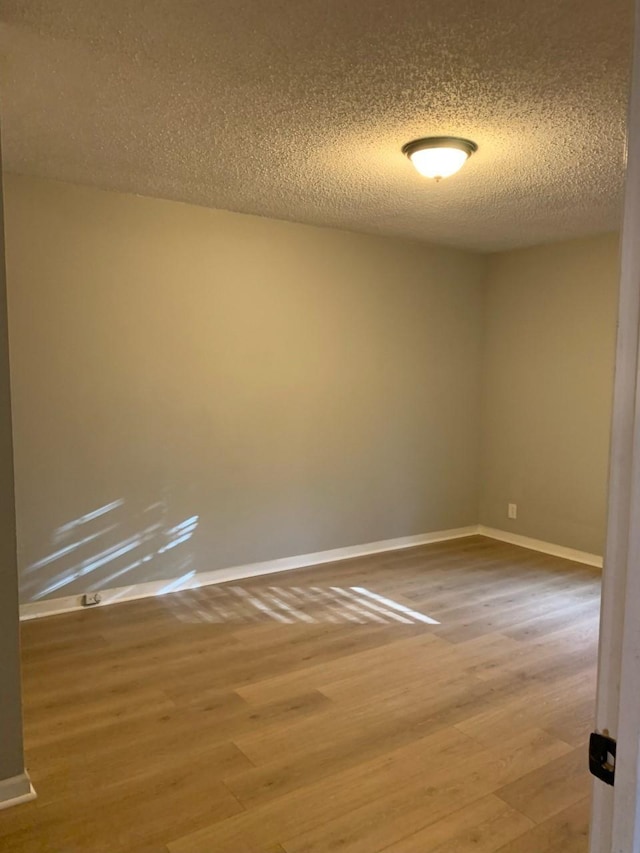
(439, 156)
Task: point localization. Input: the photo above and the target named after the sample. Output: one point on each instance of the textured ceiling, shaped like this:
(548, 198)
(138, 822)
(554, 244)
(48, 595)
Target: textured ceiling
(297, 109)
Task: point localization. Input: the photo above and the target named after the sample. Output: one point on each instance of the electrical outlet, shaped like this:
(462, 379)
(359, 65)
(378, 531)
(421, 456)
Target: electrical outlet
(512, 510)
(91, 598)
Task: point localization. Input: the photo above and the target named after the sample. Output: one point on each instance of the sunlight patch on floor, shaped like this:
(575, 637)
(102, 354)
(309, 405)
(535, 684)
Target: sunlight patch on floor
(288, 605)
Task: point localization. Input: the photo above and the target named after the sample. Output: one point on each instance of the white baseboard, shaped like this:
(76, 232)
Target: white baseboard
(16, 790)
(52, 606)
(539, 545)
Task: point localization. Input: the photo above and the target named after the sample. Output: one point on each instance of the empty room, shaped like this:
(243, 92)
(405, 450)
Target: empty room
(318, 438)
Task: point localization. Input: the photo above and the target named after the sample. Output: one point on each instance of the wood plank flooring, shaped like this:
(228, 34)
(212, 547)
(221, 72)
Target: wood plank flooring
(314, 711)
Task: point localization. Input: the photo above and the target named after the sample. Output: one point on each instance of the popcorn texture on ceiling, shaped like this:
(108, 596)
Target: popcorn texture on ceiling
(298, 110)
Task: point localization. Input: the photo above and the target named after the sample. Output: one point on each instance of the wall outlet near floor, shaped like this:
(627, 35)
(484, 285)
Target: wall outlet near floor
(91, 598)
(512, 510)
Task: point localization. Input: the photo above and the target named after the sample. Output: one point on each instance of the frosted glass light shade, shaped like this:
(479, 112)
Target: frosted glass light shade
(439, 157)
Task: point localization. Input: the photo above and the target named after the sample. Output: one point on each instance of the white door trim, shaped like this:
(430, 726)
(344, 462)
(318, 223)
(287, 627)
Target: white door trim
(615, 825)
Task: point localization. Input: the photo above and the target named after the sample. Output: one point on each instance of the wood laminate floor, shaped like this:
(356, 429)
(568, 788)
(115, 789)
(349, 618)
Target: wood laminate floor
(317, 711)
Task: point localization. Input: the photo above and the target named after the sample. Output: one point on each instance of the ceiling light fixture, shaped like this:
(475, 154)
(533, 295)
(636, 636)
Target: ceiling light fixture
(439, 156)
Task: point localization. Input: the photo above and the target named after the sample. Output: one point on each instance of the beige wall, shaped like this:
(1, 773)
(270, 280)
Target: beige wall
(275, 389)
(196, 389)
(547, 388)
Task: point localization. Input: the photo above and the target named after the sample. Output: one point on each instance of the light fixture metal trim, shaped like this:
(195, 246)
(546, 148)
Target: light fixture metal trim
(465, 145)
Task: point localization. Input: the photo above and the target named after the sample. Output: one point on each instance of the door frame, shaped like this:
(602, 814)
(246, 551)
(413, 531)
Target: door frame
(615, 820)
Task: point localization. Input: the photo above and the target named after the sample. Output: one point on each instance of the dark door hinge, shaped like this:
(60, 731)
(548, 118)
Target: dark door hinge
(602, 757)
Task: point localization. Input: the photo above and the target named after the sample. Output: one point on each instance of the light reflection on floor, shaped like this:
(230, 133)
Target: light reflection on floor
(288, 605)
